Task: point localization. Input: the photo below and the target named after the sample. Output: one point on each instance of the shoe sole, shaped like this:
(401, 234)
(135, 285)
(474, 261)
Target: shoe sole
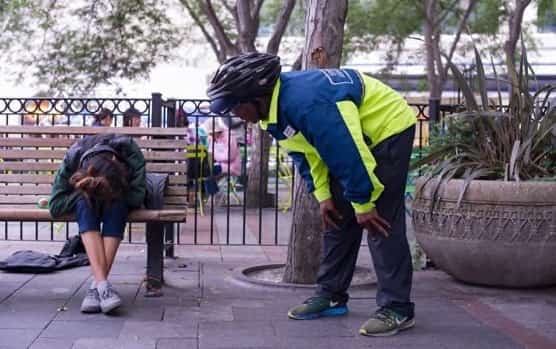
(333, 312)
(404, 326)
(106, 309)
(91, 310)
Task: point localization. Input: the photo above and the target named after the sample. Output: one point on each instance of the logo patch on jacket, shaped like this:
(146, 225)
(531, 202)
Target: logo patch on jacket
(337, 76)
(289, 131)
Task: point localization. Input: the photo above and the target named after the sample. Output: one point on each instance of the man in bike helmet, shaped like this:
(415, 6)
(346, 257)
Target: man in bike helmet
(350, 137)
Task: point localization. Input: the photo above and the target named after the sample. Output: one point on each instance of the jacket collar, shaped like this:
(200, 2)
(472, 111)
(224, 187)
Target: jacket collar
(273, 111)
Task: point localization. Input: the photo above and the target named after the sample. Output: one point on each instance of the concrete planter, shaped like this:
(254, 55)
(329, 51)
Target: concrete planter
(502, 234)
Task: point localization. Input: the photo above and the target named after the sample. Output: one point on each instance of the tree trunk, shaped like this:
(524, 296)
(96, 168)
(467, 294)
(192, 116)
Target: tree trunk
(515, 21)
(324, 32)
(257, 178)
(304, 247)
(432, 43)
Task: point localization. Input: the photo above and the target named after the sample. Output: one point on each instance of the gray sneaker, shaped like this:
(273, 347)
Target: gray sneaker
(109, 298)
(91, 302)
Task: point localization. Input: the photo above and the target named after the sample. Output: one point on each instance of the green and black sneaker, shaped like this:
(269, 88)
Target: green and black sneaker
(386, 322)
(316, 307)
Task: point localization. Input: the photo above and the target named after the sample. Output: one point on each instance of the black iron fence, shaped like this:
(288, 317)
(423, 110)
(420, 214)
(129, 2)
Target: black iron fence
(220, 154)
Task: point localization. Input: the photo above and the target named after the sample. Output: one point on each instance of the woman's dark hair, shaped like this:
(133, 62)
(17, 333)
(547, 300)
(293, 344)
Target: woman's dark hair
(103, 113)
(101, 176)
(129, 114)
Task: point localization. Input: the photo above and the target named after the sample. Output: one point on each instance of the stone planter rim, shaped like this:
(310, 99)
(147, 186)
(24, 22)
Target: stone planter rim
(517, 192)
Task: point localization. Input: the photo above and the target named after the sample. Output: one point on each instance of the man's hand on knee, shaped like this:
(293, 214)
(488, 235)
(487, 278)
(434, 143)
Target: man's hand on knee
(373, 222)
(329, 214)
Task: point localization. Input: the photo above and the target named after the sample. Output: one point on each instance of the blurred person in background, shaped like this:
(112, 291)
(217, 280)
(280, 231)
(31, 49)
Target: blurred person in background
(132, 118)
(224, 148)
(104, 118)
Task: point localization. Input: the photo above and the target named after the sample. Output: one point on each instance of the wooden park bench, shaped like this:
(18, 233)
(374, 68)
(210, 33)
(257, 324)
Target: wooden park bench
(30, 156)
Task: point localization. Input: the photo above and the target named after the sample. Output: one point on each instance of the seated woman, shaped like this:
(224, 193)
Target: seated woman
(223, 145)
(100, 179)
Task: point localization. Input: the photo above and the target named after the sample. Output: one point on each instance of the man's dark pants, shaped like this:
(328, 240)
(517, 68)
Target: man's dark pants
(391, 256)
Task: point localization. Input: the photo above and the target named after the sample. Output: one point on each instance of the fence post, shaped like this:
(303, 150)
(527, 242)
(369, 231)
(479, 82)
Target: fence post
(170, 106)
(171, 120)
(156, 117)
(434, 110)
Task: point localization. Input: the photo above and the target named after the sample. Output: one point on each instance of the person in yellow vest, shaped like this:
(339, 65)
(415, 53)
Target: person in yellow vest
(350, 137)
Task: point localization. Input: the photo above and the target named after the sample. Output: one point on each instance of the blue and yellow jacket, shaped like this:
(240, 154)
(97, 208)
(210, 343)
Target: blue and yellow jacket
(329, 120)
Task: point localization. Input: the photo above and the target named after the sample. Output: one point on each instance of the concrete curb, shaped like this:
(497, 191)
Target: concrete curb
(242, 274)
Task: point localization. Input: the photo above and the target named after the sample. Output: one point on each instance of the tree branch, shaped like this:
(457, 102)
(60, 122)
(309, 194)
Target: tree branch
(246, 28)
(257, 8)
(226, 44)
(280, 28)
(231, 9)
(439, 69)
(516, 19)
(446, 12)
(461, 26)
(219, 53)
(255, 19)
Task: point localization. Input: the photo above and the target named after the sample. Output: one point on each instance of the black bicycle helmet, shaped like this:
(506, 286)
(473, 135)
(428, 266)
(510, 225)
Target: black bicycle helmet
(242, 78)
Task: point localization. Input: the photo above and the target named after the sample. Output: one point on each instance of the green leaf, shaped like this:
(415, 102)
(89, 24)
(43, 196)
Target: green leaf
(513, 160)
(460, 80)
(481, 79)
(498, 89)
(470, 175)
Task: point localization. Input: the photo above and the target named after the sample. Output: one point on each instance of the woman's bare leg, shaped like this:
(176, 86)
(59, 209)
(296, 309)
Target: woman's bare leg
(94, 245)
(111, 245)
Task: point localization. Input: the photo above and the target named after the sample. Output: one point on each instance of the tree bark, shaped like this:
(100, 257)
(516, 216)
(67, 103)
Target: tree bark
(324, 31)
(514, 32)
(246, 25)
(431, 47)
(257, 178)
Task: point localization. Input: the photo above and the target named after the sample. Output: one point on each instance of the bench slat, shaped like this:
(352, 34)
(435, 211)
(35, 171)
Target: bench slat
(175, 200)
(66, 142)
(70, 130)
(26, 178)
(16, 190)
(59, 154)
(53, 166)
(35, 214)
(45, 189)
(20, 199)
(16, 154)
(48, 179)
(29, 166)
(33, 205)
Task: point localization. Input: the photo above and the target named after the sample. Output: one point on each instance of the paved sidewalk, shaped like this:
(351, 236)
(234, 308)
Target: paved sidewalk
(205, 307)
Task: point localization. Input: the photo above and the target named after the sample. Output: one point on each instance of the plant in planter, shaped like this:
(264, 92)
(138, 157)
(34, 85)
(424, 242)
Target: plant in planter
(485, 211)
